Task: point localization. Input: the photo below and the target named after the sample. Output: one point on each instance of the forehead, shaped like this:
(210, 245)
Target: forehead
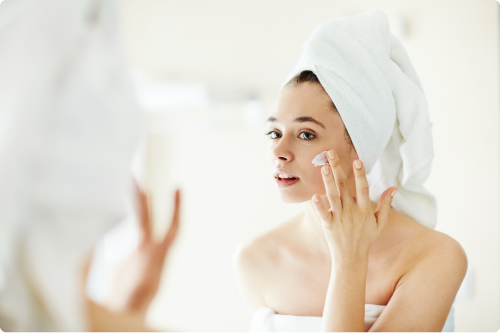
(304, 100)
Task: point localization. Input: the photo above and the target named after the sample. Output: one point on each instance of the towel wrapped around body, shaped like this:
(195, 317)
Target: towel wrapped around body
(266, 320)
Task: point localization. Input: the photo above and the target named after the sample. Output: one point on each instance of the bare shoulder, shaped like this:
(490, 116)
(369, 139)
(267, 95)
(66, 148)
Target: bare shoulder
(434, 267)
(255, 260)
(446, 257)
(264, 249)
(444, 253)
(437, 253)
(423, 245)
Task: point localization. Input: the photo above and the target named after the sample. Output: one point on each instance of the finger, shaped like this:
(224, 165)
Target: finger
(331, 189)
(174, 226)
(326, 202)
(384, 206)
(362, 187)
(143, 212)
(340, 178)
(325, 215)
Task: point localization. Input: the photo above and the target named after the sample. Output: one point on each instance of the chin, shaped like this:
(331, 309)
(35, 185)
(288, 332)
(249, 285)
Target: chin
(294, 196)
(299, 193)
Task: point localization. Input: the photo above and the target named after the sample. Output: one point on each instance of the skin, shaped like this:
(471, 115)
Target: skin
(343, 251)
(136, 279)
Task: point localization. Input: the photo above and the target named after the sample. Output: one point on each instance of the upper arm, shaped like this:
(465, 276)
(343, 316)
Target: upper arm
(246, 264)
(424, 295)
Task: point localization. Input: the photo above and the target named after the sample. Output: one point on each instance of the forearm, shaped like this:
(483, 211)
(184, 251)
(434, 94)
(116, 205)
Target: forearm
(350, 226)
(345, 300)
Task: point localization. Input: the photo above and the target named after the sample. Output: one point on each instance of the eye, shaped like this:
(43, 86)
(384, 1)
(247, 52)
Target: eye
(306, 136)
(273, 135)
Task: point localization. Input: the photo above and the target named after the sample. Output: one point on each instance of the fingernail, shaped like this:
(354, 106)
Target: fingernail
(325, 169)
(315, 198)
(357, 164)
(394, 193)
(331, 154)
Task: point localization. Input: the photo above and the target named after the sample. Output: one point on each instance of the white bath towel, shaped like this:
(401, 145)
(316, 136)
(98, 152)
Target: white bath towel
(368, 75)
(266, 320)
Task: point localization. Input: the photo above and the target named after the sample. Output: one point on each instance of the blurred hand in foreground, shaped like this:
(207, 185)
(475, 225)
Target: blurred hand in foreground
(137, 277)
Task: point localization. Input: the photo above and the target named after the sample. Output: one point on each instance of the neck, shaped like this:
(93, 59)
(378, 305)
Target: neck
(313, 230)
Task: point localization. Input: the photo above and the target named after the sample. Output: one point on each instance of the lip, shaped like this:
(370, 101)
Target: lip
(285, 182)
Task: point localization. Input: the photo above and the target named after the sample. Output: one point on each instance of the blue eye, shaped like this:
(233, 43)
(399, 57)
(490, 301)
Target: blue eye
(273, 134)
(306, 136)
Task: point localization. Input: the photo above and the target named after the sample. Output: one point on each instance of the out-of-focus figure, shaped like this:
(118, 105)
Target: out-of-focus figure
(68, 129)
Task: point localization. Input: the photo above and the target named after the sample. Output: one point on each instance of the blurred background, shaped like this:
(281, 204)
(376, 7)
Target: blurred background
(206, 74)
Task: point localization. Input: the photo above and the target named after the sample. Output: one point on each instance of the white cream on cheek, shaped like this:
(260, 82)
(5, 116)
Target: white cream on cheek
(320, 159)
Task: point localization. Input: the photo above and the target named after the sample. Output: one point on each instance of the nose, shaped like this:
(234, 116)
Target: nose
(282, 150)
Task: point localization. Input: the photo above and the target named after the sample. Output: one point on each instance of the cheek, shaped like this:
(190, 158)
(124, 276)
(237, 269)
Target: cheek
(316, 180)
(312, 175)
(270, 155)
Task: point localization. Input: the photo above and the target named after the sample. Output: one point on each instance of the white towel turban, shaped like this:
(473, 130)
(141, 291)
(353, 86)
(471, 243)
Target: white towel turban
(367, 73)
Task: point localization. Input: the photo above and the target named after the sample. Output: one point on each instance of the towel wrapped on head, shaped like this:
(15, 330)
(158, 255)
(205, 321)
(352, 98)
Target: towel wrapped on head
(369, 77)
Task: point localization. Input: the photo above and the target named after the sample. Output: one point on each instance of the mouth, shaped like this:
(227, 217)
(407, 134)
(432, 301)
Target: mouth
(285, 179)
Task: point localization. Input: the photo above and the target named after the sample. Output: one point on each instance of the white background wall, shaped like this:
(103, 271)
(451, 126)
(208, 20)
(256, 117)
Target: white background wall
(223, 171)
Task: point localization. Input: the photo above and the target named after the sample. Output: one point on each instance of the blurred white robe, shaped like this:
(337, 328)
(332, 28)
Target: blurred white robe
(68, 129)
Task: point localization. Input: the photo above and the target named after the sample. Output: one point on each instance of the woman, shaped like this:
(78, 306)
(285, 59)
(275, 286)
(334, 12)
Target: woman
(350, 257)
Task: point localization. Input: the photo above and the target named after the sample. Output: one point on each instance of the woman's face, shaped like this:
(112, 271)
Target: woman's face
(304, 124)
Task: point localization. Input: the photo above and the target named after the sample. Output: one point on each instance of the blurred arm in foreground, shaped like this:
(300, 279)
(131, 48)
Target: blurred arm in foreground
(69, 127)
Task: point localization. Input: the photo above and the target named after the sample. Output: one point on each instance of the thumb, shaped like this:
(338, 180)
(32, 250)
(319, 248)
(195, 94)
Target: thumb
(384, 205)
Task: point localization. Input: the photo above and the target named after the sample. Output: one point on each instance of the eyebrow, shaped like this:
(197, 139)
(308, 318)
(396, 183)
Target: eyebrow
(300, 120)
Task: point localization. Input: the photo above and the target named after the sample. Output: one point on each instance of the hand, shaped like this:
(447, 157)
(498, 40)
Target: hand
(138, 276)
(350, 225)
